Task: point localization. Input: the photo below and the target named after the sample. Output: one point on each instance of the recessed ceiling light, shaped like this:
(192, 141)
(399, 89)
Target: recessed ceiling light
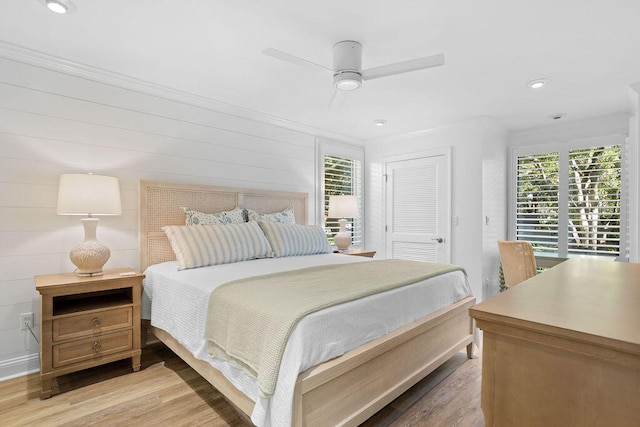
(379, 123)
(538, 83)
(557, 116)
(59, 6)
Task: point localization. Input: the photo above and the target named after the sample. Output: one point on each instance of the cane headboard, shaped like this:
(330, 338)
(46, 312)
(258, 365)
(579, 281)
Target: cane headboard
(161, 204)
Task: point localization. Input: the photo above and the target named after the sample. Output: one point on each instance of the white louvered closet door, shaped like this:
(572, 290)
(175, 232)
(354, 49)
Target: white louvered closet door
(417, 211)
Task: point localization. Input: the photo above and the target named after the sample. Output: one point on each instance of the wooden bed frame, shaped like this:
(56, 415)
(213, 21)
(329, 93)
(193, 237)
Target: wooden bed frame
(346, 390)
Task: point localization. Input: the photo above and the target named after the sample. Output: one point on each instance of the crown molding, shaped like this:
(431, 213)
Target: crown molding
(614, 124)
(27, 56)
(442, 127)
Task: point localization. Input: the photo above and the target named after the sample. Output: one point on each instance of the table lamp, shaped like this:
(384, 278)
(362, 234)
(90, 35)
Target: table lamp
(88, 194)
(342, 207)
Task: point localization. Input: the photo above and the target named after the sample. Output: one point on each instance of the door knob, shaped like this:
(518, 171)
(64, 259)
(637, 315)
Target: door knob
(438, 239)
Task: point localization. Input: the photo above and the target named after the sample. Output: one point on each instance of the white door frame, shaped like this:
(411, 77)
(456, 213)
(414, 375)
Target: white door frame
(441, 151)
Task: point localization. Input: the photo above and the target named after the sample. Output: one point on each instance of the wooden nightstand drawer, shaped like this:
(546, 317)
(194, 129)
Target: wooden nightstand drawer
(89, 348)
(92, 323)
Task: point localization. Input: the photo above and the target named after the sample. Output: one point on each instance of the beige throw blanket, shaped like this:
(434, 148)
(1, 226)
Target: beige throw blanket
(250, 320)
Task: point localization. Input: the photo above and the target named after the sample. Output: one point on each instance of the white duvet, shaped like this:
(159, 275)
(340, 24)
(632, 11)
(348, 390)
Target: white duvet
(176, 301)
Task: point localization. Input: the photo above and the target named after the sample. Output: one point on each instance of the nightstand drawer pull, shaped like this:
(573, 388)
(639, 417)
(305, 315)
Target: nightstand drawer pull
(96, 346)
(96, 323)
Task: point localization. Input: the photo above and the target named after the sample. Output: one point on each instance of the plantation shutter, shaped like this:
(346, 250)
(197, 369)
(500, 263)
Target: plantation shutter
(538, 201)
(574, 200)
(343, 176)
(625, 185)
(594, 222)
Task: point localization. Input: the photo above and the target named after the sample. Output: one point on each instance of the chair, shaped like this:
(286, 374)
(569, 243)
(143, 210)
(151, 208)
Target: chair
(518, 261)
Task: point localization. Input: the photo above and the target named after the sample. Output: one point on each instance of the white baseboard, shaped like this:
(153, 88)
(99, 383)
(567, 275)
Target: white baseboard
(19, 366)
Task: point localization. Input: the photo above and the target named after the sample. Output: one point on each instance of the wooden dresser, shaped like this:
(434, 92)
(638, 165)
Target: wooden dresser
(87, 321)
(563, 348)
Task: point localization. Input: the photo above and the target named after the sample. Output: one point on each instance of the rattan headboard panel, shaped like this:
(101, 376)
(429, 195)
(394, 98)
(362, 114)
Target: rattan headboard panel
(161, 204)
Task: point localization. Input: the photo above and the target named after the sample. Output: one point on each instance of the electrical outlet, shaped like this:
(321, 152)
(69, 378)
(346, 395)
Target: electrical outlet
(26, 319)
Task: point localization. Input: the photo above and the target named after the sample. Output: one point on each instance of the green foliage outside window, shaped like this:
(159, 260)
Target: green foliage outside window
(592, 203)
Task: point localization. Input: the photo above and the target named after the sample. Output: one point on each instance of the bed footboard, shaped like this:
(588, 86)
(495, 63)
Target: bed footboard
(349, 389)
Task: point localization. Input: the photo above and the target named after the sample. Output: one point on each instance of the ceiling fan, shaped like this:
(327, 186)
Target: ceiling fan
(347, 69)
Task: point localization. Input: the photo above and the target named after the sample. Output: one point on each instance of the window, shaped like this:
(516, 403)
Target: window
(537, 201)
(341, 174)
(569, 199)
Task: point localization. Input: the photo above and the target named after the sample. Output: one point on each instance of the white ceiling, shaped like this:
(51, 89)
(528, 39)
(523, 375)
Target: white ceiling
(589, 50)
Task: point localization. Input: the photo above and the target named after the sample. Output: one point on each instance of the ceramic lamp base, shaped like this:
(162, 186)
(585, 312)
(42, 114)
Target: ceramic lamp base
(342, 240)
(90, 255)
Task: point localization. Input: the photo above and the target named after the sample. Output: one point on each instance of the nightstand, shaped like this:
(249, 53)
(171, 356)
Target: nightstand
(359, 252)
(87, 321)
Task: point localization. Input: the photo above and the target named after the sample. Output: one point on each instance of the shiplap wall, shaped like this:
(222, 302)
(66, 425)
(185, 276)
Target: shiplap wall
(52, 123)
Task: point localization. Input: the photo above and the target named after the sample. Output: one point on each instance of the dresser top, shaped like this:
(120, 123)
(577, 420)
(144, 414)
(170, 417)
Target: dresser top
(588, 300)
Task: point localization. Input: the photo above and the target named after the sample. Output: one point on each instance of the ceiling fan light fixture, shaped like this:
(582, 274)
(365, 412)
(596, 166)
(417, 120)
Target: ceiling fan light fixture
(348, 74)
(347, 80)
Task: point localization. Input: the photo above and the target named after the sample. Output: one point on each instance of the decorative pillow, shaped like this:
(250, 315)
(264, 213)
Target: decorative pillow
(295, 239)
(234, 216)
(286, 216)
(217, 244)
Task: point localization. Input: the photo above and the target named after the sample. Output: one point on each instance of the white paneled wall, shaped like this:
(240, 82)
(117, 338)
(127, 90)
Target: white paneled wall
(468, 142)
(53, 123)
(494, 204)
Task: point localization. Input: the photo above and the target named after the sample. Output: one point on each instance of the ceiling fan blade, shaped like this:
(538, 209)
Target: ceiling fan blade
(333, 99)
(403, 67)
(278, 54)
(337, 99)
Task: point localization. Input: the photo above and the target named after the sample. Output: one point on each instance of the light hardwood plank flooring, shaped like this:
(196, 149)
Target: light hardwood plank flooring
(167, 392)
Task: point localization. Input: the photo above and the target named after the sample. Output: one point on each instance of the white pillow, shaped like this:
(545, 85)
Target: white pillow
(287, 216)
(234, 216)
(216, 244)
(295, 239)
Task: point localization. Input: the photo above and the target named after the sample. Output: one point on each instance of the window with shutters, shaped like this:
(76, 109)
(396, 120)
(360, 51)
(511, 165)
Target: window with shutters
(537, 201)
(570, 200)
(343, 176)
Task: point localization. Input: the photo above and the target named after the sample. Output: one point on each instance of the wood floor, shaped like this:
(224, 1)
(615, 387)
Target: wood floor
(167, 392)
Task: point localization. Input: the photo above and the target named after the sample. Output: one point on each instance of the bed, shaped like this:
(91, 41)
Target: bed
(344, 390)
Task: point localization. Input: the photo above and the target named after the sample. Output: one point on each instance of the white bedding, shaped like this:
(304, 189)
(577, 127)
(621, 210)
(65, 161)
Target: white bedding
(176, 301)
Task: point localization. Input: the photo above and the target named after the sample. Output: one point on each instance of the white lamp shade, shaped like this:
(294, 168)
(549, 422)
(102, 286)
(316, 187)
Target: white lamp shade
(343, 207)
(86, 194)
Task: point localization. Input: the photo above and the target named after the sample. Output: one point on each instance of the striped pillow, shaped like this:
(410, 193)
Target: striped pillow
(295, 239)
(216, 244)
